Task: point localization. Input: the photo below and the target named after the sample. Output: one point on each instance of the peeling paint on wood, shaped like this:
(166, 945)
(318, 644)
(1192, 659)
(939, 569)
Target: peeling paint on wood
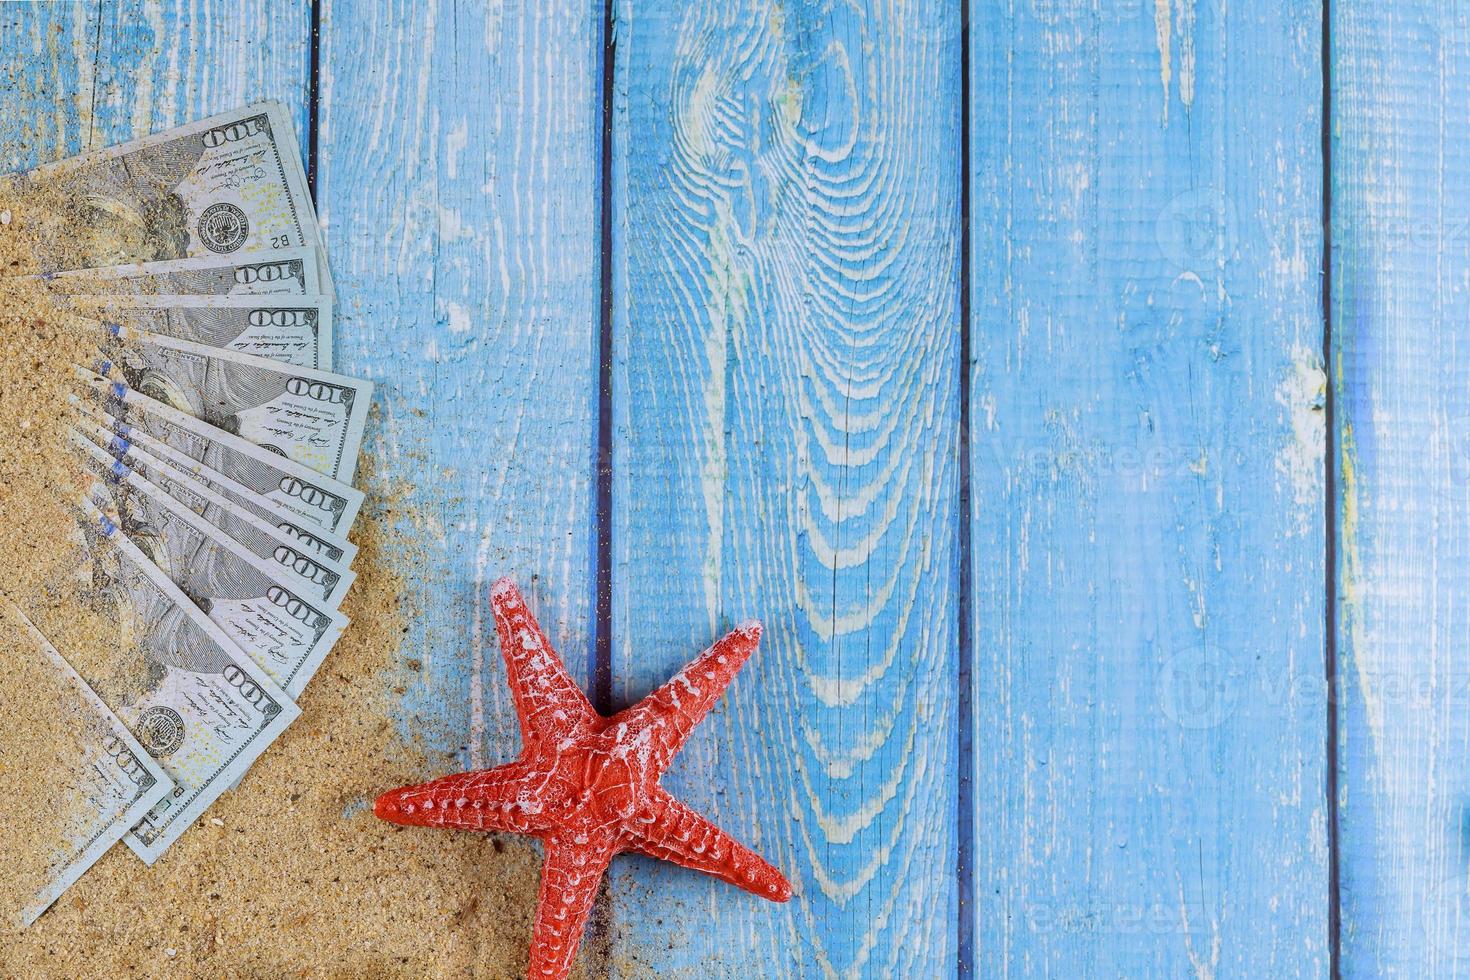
(458, 187)
(1401, 301)
(1146, 448)
(1147, 474)
(785, 411)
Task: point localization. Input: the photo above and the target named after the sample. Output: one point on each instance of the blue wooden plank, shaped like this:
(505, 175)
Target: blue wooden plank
(785, 404)
(457, 183)
(1148, 482)
(45, 102)
(1401, 299)
(88, 75)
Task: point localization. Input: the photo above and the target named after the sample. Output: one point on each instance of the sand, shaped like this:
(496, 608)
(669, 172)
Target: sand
(289, 875)
(44, 719)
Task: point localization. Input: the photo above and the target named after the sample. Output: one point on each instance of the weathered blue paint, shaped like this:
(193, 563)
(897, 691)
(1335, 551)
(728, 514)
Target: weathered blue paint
(1147, 469)
(458, 186)
(785, 408)
(1401, 302)
(79, 76)
(45, 115)
(1146, 449)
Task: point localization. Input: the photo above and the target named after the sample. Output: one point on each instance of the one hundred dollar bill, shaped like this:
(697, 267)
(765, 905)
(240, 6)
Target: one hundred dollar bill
(213, 496)
(107, 790)
(256, 519)
(275, 618)
(314, 418)
(284, 272)
(135, 418)
(229, 184)
(194, 700)
(293, 330)
(198, 554)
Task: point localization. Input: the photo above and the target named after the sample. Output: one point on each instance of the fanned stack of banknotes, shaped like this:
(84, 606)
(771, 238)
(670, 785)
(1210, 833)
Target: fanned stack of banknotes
(221, 451)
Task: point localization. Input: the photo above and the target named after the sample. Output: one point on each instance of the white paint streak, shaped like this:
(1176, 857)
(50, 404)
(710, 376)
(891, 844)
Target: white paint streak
(454, 143)
(143, 100)
(1162, 30)
(1185, 11)
(1300, 461)
(458, 318)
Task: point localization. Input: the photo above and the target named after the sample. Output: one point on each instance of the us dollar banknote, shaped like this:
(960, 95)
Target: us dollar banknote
(275, 618)
(194, 701)
(238, 513)
(284, 272)
(135, 418)
(228, 184)
(106, 790)
(198, 554)
(311, 417)
(296, 331)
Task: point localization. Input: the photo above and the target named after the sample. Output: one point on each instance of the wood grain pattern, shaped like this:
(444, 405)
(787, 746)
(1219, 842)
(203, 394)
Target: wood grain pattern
(89, 75)
(46, 94)
(1147, 470)
(785, 404)
(1401, 271)
(1146, 450)
(457, 183)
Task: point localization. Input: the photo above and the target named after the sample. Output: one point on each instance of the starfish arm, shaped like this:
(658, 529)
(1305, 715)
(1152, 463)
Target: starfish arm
(575, 862)
(668, 829)
(669, 715)
(548, 702)
(508, 798)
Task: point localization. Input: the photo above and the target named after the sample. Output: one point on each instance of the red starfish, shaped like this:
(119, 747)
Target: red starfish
(588, 785)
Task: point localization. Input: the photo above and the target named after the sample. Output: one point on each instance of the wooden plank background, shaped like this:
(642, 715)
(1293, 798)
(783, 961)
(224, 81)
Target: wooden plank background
(1147, 468)
(458, 180)
(1401, 301)
(1126, 770)
(785, 422)
(79, 76)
